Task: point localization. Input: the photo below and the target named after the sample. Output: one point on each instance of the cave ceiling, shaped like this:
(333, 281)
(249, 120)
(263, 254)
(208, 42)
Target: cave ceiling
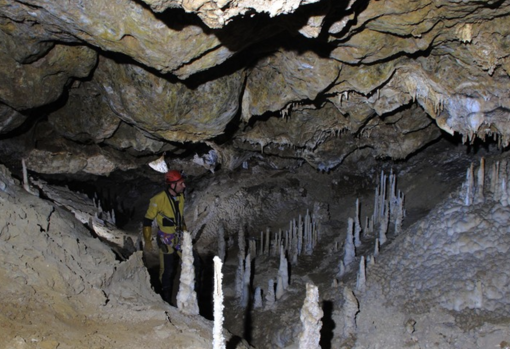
(97, 86)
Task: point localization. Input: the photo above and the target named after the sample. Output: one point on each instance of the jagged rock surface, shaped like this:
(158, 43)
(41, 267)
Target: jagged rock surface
(119, 75)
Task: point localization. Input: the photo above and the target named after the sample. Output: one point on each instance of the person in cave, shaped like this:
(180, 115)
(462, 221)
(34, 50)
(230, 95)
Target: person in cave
(167, 208)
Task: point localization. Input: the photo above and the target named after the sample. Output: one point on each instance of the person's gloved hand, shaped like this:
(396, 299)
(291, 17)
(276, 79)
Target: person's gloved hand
(147, 236)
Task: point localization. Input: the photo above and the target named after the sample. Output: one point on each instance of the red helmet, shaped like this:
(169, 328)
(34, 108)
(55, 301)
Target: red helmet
(173, 176)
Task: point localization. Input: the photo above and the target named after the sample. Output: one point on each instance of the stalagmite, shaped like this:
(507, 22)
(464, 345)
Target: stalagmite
(279, 287)
(252, 247)
(495, 181)
(311, 315)
(361, 280)
(349, 310)
(480, 197)
(218, 338)
(341, 269)
(270, 296)
(267, 240)
(399, 215)
(283, 270)
(357, 226)
(294, 248)
(246, 282)
(187, 297)
(239, 281)
(376, 248)
(257, 298)
(383, 228)
(349, 250)
(308, 238)
(242, 242)
(299, 236)
(221, 243)
(469, 187)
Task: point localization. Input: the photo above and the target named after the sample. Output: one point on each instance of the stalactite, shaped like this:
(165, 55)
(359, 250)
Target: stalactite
(357, 226)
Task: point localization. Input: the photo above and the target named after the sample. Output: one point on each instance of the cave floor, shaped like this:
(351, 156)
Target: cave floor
(426, 179)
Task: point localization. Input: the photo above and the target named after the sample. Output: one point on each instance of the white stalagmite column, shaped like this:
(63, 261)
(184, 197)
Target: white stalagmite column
(399, 217)
(187, 297)
(361, 280)
(218, 339)
(503, 196)
(376, 248)
(294, 248)
(270, 297)
(279, 287)
(239, 281)
(267, 241)
(257, 298)
(283, 270)
(480, 196)
(300, 236)
(311, 315)
(495, 181)
(383, 228)
(341, 269)
(349, 251)
(241, 242)
(468, 199)
(252, 247)
(349, 311)
(357, 226)
(246, 282)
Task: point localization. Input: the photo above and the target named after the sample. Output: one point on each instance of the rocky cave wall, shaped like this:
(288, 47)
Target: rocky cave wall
(95, 87)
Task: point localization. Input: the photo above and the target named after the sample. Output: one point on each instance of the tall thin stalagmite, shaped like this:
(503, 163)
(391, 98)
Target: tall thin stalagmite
(187, 297)
(218, 338)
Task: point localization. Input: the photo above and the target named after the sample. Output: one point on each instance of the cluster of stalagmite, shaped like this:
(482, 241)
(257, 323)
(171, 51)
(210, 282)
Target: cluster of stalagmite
(478, 187)
(301, 238)
(388, 207)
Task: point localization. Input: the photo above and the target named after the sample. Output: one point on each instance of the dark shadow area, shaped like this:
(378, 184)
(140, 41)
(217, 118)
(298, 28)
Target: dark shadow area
(205, 294)
(328, 325)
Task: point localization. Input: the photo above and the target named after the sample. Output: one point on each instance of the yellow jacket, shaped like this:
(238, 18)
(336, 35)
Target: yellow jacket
(165, 213)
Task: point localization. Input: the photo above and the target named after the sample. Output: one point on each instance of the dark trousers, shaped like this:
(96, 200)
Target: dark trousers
(168, 269)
